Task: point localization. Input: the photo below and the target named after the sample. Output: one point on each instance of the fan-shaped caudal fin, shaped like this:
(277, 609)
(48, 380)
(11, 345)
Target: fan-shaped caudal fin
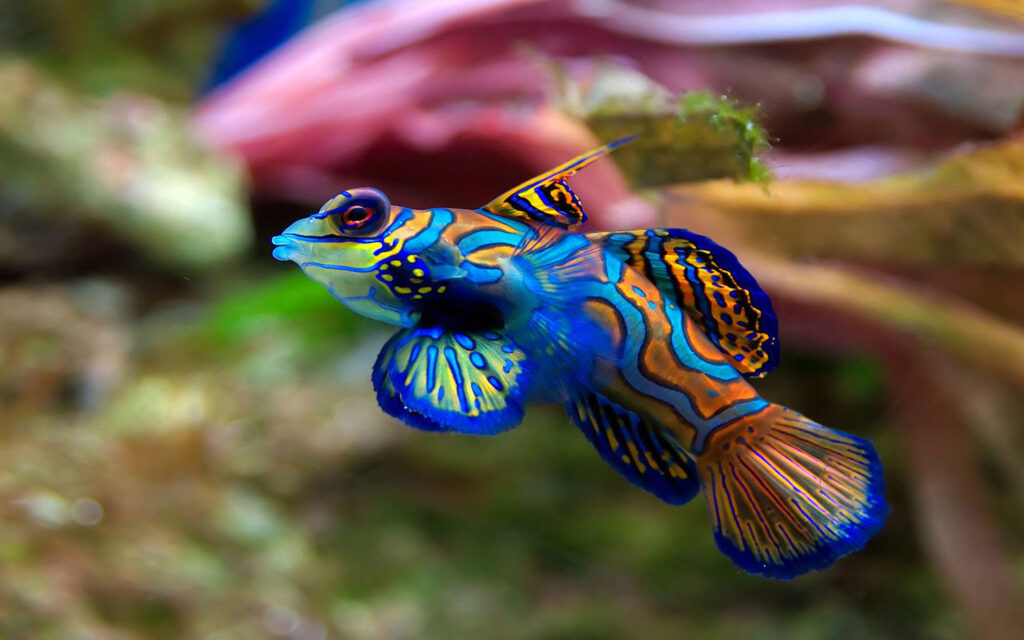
(547, 198)
(788, 495)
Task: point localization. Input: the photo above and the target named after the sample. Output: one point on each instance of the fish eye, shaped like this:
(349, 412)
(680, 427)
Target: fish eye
(360, 212)
(355, 216)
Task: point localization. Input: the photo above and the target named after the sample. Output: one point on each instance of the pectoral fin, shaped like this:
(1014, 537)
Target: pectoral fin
(441, 380)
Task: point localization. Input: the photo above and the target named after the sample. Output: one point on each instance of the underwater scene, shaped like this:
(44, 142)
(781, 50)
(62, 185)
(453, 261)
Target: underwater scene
(511, 319)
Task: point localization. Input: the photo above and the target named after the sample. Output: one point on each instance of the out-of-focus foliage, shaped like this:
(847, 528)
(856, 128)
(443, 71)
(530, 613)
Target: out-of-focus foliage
(175, 484)
(161, 47)
(126, 164)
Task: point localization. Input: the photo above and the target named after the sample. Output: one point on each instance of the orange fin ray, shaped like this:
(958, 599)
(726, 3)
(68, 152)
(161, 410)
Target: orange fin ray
(788, 495)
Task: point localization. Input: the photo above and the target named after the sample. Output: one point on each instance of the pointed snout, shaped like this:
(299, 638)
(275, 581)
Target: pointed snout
(287, 244)
(284, 246)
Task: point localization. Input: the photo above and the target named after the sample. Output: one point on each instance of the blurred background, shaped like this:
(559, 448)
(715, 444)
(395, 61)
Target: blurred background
(189, 443)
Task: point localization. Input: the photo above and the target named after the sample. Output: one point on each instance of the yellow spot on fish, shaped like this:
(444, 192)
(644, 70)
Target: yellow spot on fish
(412, 258)
(676, 471)
(387, 277)
(416, 280)
(417, 297)
(612, 441)
(397, 263)
(625, 458)
(425, 289)
(418, 273)
(403, 290)
(636, 456)
(442, 289)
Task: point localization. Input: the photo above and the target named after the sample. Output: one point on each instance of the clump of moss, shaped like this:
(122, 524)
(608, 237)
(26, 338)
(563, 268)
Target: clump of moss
(691, 137)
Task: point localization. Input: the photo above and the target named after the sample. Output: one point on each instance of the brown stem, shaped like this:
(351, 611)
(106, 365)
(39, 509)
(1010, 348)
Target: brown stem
(957, 327)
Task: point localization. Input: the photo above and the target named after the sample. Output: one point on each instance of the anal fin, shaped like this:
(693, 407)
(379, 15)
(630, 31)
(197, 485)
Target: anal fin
(646, 455)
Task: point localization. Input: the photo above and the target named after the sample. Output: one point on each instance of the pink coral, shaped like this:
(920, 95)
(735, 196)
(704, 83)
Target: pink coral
(441, 101)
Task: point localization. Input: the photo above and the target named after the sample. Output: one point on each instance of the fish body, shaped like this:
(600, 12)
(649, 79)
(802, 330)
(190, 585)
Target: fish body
(647, 337)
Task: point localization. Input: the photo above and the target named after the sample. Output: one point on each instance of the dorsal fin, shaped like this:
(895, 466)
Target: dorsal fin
(548, 198)
(709, 283)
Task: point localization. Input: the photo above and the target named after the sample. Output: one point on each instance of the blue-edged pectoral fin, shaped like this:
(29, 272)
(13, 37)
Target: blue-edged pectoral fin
(441, 380)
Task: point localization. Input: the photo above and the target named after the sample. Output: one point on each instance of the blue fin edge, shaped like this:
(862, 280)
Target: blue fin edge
(855, 536)
(728, 261)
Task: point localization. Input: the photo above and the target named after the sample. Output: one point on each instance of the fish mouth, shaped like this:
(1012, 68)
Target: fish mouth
(284, 246)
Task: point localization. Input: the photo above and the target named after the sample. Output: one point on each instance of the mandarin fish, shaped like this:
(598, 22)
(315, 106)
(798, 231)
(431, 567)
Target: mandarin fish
(647, 337)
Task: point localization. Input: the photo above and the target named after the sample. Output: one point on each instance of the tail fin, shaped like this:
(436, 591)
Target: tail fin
(788, 495)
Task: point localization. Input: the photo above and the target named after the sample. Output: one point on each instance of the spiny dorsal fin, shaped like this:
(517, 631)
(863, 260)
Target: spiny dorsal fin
(548, 198)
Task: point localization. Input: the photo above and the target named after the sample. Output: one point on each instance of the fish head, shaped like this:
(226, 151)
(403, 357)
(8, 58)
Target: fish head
(349, 246)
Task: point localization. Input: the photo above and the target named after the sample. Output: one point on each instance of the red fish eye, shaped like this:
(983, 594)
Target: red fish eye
(356, 216)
